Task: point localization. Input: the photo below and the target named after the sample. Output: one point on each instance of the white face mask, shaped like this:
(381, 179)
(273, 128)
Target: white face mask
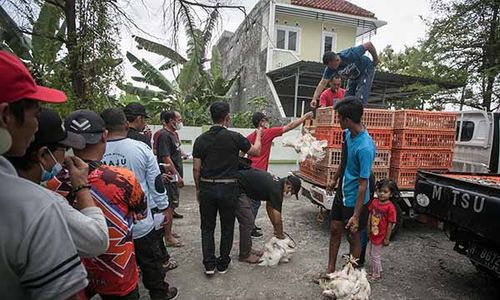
(178, 126)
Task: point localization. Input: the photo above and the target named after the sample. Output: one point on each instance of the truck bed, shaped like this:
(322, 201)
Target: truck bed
(467, 201)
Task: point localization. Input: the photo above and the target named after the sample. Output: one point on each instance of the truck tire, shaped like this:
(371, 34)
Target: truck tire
(399, 220)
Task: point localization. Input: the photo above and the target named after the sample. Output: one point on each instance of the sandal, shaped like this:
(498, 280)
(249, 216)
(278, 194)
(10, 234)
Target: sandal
(170, 265)
(372, 278)
(175, 235)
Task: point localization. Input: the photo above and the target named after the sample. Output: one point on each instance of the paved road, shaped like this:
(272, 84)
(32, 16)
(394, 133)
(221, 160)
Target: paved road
(419, 264)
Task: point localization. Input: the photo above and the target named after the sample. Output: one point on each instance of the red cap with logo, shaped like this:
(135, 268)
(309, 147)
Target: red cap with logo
(16, 83)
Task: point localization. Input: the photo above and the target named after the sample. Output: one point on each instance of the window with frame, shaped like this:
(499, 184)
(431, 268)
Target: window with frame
(329, 42)
(287, 38)
(467, 131)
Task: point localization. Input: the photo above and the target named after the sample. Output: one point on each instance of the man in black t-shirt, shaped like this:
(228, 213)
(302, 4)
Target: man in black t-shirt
(258, 184)
(169, 154)
(136, 117)
(215, 168)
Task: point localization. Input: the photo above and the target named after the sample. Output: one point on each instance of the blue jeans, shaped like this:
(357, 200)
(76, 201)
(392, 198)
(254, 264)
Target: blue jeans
(361, 86)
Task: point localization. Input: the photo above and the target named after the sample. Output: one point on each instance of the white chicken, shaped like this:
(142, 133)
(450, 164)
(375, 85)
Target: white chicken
(277, 251)
(348, 284)
(306, 146)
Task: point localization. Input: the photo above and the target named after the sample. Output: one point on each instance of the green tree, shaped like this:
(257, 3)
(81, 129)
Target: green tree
(71, 45)
(420, 61)
(194, 88)
(465, 36)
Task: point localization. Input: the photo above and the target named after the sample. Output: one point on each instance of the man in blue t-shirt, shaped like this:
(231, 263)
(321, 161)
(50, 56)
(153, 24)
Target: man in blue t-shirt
(353, 65)
(351, 211)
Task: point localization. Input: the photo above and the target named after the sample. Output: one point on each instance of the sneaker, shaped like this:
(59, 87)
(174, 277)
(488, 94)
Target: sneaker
(209, 271)
(171, 295)
(177, 215)
(256, 235)
(223, 269)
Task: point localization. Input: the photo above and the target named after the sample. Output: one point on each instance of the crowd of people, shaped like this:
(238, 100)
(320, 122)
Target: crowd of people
(86, 223)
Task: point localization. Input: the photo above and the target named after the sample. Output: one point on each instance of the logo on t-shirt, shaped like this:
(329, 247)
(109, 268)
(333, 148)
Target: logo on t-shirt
(351, 71)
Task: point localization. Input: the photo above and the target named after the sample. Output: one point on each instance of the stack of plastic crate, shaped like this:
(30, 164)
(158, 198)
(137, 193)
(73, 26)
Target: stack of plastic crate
(379, 124)
(423, 140)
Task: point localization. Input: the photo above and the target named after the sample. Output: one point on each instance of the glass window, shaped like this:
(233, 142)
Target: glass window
(280, 39)
(467, 131)
(328, 44)
(292, 40)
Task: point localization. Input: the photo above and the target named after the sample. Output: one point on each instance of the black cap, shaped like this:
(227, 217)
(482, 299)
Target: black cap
(296, 185)
(135, 109)
(257, 117)
(86, 123)
(51, 131)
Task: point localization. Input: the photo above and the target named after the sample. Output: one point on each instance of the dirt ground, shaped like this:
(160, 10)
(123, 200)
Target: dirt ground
(419, 264)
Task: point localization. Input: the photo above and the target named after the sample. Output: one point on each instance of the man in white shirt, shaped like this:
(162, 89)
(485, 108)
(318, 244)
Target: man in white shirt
(38, 259)
(138, 157)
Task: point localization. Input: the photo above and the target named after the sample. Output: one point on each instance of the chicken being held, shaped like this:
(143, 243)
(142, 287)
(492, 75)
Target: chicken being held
(347, 284)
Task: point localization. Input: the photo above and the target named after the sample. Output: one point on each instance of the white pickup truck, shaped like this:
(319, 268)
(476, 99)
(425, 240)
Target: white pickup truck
(476, 151)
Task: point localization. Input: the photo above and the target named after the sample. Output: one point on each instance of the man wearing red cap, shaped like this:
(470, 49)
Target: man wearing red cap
(37, 256)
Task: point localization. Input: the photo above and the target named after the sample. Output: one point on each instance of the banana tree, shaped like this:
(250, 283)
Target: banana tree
(194, 88)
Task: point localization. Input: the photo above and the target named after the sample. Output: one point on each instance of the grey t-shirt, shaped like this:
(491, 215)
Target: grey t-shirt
(38, 259)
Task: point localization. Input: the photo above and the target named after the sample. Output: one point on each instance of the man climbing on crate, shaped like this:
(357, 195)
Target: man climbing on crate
(353, 65)
(350, 211)
(261, 162)
(335, 93)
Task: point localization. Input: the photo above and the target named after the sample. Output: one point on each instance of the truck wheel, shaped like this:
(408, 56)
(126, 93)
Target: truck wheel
(399, 220)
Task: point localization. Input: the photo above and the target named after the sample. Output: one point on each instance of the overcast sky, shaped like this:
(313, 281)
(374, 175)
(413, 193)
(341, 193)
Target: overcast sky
(404, 25)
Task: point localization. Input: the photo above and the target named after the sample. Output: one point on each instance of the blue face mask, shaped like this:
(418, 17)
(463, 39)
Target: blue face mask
(46, 175)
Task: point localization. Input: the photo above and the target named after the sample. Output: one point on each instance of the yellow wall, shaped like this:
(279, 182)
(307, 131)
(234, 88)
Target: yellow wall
(312, 33)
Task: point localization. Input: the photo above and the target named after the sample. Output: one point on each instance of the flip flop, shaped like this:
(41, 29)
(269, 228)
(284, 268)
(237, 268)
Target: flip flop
(170, 265)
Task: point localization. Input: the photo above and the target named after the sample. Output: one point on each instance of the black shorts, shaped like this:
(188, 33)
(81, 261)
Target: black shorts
(339, 212)
(173, 194)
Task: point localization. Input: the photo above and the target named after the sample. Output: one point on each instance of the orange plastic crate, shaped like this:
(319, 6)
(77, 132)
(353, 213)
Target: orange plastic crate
(318, 174)
(333, 157)
(382, 138)
(405, 177)
(423, 139)
(411, 158)
(380, 173)
(428, 120)
(372, 118)
(333, 135)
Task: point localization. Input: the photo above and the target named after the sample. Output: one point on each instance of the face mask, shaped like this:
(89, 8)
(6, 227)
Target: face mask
(178, 126)
(287, 195)
(5, 140)
(46, 175)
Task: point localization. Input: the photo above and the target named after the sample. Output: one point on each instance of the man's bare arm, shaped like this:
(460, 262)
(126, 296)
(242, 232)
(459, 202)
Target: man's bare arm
(296, 123)
(322, 85)
(275, 217)
(370, 48)
(255, 149)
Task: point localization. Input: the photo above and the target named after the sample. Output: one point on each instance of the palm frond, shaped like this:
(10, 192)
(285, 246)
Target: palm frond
(150, 73)
(216, 64)
(168, 65)
(159, 49)
(46, 30)
(13, 37)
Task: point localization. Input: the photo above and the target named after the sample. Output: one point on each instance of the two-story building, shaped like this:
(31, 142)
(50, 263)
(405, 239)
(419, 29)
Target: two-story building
(280, 45)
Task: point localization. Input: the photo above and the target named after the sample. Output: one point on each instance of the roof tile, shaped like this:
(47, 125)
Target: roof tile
(341, 6)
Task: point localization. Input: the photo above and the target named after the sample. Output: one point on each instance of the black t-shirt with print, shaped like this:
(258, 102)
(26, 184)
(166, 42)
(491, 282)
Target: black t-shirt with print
(260, 185)
(168, 144)
(219, 149)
